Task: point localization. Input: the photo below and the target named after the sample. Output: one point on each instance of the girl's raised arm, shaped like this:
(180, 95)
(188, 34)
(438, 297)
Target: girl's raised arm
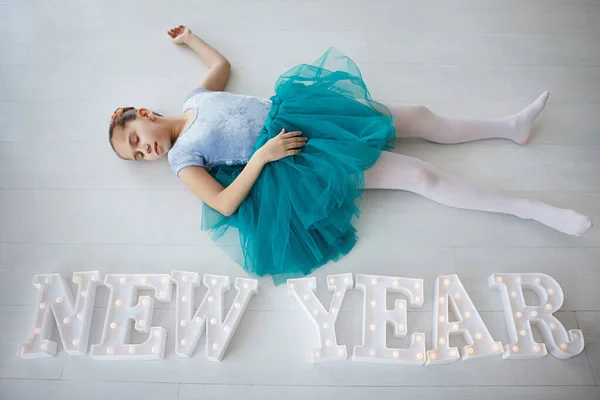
(218, 66)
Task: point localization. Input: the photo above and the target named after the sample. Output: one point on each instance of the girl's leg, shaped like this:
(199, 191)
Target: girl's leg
(396, 171)
(419, 121)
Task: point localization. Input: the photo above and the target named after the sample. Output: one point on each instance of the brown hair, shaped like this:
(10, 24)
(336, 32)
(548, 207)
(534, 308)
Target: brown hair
(128, 114)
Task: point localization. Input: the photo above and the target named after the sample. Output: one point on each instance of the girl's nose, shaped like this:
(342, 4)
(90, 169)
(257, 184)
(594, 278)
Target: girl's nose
(148, 149)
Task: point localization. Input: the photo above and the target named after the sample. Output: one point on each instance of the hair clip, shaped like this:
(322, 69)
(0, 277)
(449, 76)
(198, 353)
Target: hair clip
(116, 113)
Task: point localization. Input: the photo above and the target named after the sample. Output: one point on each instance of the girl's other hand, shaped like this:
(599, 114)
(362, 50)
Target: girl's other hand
(180, 34)
(283, 145)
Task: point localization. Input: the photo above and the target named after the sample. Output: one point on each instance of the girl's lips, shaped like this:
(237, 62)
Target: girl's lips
(156, 148)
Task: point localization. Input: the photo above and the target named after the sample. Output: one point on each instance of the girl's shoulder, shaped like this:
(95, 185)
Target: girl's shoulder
(192, 96)
(195, 92)
(202, 97)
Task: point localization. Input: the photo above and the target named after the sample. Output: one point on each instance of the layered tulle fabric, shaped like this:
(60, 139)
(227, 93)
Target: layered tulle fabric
(299, 214)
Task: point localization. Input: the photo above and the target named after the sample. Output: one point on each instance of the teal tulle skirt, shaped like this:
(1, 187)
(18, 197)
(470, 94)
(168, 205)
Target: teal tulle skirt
(299, 214)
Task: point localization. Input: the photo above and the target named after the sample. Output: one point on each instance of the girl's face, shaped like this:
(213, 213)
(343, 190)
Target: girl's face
(143, 138)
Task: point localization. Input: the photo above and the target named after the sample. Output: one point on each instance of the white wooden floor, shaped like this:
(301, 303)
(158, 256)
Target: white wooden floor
(67, 203)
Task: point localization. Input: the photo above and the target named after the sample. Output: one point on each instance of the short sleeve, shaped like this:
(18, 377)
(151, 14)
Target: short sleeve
(181, 157)
(195, 92)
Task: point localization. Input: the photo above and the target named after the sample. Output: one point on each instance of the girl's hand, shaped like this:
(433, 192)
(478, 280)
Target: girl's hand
(283, 145)
(180, 34)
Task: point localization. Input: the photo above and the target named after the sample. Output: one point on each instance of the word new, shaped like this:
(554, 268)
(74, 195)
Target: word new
(73, 317)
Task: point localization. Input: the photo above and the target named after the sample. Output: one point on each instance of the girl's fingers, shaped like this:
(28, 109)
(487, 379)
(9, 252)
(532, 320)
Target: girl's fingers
(296, 142)
(173, 33)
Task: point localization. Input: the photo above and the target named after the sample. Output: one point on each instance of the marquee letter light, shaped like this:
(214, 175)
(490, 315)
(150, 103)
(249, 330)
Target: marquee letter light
(73, 317)
(376, 316)
(219, 332)
(449, 291)
(303, 291)
(114, 343)
(561, 343)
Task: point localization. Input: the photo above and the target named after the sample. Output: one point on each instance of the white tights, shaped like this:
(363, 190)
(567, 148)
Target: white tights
(397, 171)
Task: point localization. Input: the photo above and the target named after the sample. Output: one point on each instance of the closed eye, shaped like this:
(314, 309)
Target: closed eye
(134, 139)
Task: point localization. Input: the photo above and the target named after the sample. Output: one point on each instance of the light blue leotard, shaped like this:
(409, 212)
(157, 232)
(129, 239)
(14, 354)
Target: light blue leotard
(224, 131)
